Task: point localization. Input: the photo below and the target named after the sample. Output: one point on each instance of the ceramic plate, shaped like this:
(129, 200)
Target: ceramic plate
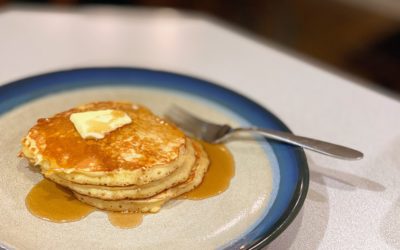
(266, 193)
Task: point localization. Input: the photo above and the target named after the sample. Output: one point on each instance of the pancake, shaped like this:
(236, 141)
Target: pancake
(135, 167)
(146, 150)
(154, 203)
(181, 174)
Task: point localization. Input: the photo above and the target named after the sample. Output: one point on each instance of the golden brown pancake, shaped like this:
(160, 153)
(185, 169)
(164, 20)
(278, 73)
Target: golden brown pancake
(181, 174)
(143, 151)
(137, 167)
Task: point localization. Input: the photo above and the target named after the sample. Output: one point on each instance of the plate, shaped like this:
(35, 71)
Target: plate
(267, 192)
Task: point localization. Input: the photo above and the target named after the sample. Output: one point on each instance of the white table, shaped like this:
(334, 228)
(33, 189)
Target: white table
(350, 205)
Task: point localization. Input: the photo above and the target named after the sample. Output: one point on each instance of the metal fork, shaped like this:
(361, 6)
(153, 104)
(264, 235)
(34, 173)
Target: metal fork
(216, 133)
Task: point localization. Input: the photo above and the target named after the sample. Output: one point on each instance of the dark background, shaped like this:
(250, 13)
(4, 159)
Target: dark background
(359, 41)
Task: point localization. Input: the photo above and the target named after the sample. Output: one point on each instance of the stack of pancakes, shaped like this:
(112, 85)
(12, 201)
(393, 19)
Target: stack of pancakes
(136, 168)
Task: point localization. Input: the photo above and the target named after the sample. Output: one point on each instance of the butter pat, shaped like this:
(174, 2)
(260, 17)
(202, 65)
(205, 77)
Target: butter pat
(96, 124)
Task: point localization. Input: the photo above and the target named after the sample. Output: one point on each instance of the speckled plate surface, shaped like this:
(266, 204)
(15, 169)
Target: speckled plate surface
(268, 189)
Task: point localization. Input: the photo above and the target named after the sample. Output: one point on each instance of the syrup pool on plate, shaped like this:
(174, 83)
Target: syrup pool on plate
(219, 174)
(50, 201)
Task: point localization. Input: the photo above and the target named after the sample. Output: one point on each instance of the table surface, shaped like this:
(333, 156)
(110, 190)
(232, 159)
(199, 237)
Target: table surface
(350, 205)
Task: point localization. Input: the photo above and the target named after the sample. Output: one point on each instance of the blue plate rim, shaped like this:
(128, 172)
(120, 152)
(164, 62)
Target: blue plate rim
(302, 184)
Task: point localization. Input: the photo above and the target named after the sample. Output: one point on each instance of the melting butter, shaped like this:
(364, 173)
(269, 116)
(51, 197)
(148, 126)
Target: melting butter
(96, 124)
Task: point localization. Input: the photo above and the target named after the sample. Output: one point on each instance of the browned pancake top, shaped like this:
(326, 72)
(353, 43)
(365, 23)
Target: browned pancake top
(153, 140)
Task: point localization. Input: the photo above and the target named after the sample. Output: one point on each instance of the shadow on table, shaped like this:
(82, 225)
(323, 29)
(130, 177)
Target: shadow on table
(344, 181)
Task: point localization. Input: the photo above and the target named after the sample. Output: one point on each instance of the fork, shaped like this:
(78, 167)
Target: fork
(217, 133)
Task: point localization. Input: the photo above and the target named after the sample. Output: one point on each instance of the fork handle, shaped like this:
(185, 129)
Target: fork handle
(326, 148)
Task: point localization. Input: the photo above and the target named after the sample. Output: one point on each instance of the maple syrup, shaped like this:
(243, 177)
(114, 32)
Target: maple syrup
(125, 220)
(50, 201)
(218, 176)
